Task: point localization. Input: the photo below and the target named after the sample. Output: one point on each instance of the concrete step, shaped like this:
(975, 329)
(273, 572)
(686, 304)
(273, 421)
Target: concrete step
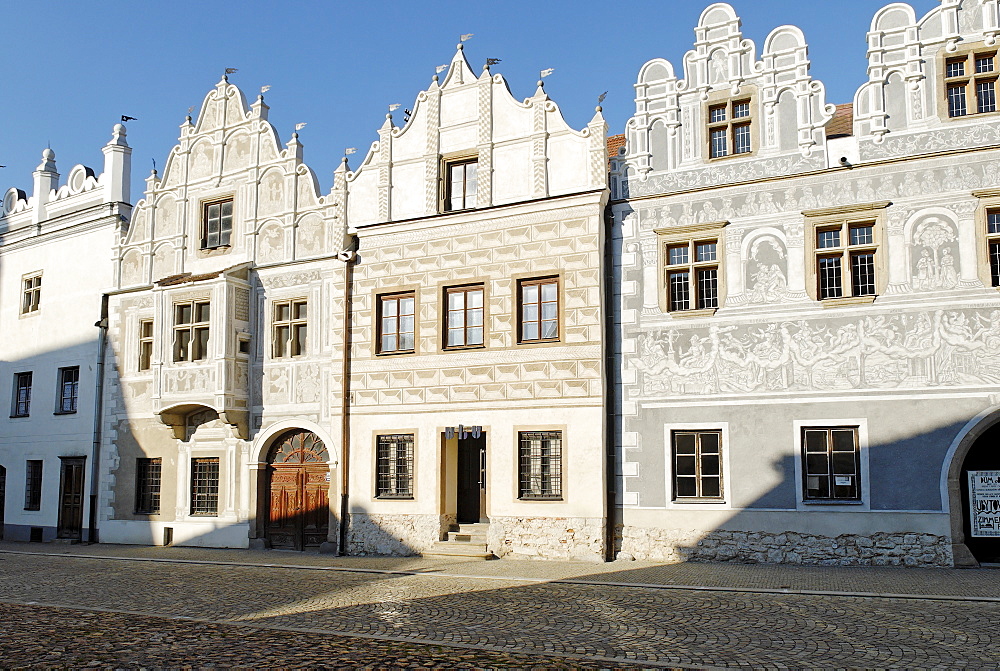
(458, 549)
(467, 536)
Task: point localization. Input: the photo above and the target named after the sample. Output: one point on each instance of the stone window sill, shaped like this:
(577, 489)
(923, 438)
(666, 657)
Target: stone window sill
(849, 300)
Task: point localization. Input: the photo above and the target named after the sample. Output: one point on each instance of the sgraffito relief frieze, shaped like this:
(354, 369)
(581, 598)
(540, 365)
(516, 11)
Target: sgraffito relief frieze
(715, 175)
(290, 279)
(978, 135)
(912, 350)
(182, 380)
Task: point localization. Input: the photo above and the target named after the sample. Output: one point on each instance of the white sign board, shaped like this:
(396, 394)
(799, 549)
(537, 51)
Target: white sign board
(984, 503)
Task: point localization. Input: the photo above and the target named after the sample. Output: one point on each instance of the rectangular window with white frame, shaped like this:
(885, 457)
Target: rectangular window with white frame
(69, 390)
(145, 344)
(697, 465)
(289, 328)
(31, 293)
(21, 406)
(831, 464)
(191, 330)
(217, 223)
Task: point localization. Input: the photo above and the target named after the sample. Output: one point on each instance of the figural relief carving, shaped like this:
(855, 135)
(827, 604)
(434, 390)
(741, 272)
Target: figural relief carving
(934, 255)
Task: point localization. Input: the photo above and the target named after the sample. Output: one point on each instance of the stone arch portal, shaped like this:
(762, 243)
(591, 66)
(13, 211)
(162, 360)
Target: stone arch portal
(297, 489)
(974, 494)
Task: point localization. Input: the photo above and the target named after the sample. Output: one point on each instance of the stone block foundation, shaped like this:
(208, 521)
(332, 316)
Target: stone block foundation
(577, 538)
(880, 549)
(400, 535)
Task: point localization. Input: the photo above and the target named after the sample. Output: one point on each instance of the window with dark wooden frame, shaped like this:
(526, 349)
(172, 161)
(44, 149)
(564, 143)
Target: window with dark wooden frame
(31, 294)
(21, 407)
(971, 77)
(729, 128)
(396, 323)
(191, 330)
(460, 185)
(845, 260)
(290, 328)
(697, 465)
(831, 464)
(145, 344)
(69, 390)
(464, 319)
(394, 466)
(993, 244)
(692, 275)
(538, 309)
(33, 485)
(205, 486)
(217, 223)
(147, 486)
(540, 465)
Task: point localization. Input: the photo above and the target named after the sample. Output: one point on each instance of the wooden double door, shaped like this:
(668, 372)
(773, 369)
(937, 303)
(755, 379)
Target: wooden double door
(298, 485)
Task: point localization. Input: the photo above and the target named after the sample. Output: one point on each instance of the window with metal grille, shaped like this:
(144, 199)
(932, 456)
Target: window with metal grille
(858, 255)
(145, 344)
(31, 293)
(697, 461)
(289, 328)
(191, 329)
(539, 309)
(69, 389)
(968, 75)
(993, 241)
(205, 486)
(540, 465)
(33, 485)
(464, 320)
(460, 185)
(395, 323)
(217, 223)
(394, 466)
(692, 275)
(22, 395)
(831, 464)
(729, 129)
(147, 486)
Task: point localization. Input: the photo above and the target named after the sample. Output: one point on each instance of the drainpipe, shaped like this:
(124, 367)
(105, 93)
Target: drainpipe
(95, 459)
(611, 379)
(348, 257)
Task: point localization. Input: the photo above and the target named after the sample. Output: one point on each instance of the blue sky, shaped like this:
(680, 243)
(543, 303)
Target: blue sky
(73, 68)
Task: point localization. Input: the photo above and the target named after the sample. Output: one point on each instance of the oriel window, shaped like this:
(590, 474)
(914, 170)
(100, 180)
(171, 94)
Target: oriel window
(191, 330)
(464, 316)
(290, 328)
(217, 223)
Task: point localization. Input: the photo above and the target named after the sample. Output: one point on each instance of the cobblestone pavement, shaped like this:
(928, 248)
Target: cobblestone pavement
(598, 617)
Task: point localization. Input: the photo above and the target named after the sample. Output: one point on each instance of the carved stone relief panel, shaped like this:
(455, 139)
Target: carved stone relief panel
(237, 152)
(132, 268)
(276, 382)
(202, 160)
(188, 379)
(312, 235)
(271, 193)
(307, 383)
(163, 262)
(934, 257)
(766, 272)
(271, 243)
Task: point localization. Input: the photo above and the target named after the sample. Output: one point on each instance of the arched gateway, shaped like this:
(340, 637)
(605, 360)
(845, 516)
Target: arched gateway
(298, 482)
(975, 487)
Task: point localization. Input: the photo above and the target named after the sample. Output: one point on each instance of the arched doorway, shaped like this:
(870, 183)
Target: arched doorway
(298, 483)
(981, 496)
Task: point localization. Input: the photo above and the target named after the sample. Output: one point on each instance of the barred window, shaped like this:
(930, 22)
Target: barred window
(729, 129)
(145, 344)
(396, 322)
(831, 464)
(217, 223)
(22, 395)
(697, 461)
(540, 465)
(69, 388)
(539, 309)
(973, 74)
(692, 275)
(858, 254)
(993, 240)
(147, 486)
(394, 467)
(289, 328)
(205, 486)
(31, 293)
(464, 324)
(191, 329)
(33, 485)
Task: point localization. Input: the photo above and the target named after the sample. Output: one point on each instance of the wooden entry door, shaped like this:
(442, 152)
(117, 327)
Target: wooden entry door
(472, 480)
(298, 490)
(71, 478)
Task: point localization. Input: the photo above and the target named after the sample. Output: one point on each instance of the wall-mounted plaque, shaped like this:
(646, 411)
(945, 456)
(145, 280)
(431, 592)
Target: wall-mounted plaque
(984, 504)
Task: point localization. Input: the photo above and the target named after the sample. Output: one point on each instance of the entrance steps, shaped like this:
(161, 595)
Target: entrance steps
(467, 541)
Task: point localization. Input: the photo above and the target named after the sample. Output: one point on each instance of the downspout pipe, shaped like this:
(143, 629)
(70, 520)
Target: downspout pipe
(349, 257)
(95, 459)
(611, 348)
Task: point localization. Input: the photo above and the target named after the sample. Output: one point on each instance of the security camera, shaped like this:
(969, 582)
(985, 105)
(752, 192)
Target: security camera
(844, 162)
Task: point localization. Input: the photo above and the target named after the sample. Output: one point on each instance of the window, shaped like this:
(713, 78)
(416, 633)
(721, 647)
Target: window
(22, 395)
(394, 466)
(395, 323)
(464, 324)
(697, 464)
(69, 389)
(145, 344)
(539, 309)
(692, 275)
(147, 486)
(970, 84)
(205, 486)
(540, 465)
(831, 464)
(993, 240)
(289, 328)
(33, 485)
(217, 223)
(31, 293)
(460, 185)
(849, 246)
(729, 128)
(191, 324)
